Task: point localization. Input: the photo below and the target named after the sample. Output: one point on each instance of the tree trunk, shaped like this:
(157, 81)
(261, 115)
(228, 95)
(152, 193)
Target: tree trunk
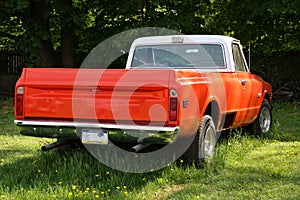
(67, 36)
(39, 23)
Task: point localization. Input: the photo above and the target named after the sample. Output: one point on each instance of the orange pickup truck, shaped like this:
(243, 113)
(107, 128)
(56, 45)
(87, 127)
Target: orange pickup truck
(173, 87)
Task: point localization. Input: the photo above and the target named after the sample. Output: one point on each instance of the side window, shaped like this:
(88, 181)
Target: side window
(238, 59)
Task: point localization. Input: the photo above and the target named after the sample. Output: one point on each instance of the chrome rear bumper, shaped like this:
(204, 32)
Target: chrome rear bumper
(117, 132)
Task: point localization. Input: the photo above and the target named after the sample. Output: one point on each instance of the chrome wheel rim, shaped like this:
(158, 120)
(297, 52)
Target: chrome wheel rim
(209, 143)
(264, 120)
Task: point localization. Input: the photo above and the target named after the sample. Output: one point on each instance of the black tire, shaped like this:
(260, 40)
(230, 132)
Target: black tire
(263, 121)
(202, 148)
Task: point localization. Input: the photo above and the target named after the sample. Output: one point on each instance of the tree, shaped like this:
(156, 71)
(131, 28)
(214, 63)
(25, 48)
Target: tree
(63, 32)
(269, 25)
(35, 24)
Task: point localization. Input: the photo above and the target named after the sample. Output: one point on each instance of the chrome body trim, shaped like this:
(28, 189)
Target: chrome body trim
(95, 125)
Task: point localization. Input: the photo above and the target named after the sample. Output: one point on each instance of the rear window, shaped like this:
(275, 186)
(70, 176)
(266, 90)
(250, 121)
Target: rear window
(179, 56)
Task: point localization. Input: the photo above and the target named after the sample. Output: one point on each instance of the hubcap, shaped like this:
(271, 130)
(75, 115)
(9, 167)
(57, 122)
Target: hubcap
(265, 120)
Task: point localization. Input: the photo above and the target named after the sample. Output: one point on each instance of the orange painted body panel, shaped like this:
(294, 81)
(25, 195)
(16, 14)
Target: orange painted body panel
(139, 96)
(86, 94)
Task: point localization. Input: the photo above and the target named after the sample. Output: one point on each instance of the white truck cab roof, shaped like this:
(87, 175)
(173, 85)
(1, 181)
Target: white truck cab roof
(226, 43)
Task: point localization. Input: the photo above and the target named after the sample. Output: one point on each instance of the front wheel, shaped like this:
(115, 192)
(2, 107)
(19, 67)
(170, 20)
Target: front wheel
(263, 121)
(202, 148)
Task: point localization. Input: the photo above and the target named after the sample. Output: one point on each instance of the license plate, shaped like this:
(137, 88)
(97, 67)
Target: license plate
(94, 136)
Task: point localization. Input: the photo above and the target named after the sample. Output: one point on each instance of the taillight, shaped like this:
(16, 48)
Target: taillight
(173, 109)
(19, 102)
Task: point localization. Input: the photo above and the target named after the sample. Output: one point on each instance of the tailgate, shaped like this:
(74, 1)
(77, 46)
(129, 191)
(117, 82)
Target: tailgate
(107, 95)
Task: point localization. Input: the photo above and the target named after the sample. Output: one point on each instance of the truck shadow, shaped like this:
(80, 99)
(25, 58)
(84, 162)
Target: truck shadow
(50, 170)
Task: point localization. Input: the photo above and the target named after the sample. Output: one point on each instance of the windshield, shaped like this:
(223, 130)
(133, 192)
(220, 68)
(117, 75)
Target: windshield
(179, 56)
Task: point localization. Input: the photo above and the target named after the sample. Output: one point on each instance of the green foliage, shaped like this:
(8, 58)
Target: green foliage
(270, 26)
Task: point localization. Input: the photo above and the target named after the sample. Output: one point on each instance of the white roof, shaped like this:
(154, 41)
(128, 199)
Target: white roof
(185, 39)
(225, 41)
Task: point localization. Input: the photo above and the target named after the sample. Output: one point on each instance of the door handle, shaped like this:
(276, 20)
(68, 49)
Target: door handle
(95, 88)
(243, 82)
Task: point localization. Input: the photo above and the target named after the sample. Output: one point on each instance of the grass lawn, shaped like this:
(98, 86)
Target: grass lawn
(244, 167)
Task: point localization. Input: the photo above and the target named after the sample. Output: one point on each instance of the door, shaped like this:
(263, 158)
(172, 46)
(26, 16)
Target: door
(248, 88)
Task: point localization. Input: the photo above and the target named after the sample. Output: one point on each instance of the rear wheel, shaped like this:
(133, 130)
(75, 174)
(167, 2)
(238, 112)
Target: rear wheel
(202, 148)
(263, 122)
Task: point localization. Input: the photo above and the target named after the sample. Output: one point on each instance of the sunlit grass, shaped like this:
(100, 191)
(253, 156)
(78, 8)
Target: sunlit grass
(244, 167)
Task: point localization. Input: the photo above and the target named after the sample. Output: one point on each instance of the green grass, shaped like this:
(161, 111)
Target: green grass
(244, 167)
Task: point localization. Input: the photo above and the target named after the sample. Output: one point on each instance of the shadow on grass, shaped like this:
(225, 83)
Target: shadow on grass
(285, 126)
(286, 122)
(77, 167)
(7, 126)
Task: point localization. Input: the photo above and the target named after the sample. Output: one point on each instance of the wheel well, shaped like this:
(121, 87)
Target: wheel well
(213, 110)
(267, 97)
